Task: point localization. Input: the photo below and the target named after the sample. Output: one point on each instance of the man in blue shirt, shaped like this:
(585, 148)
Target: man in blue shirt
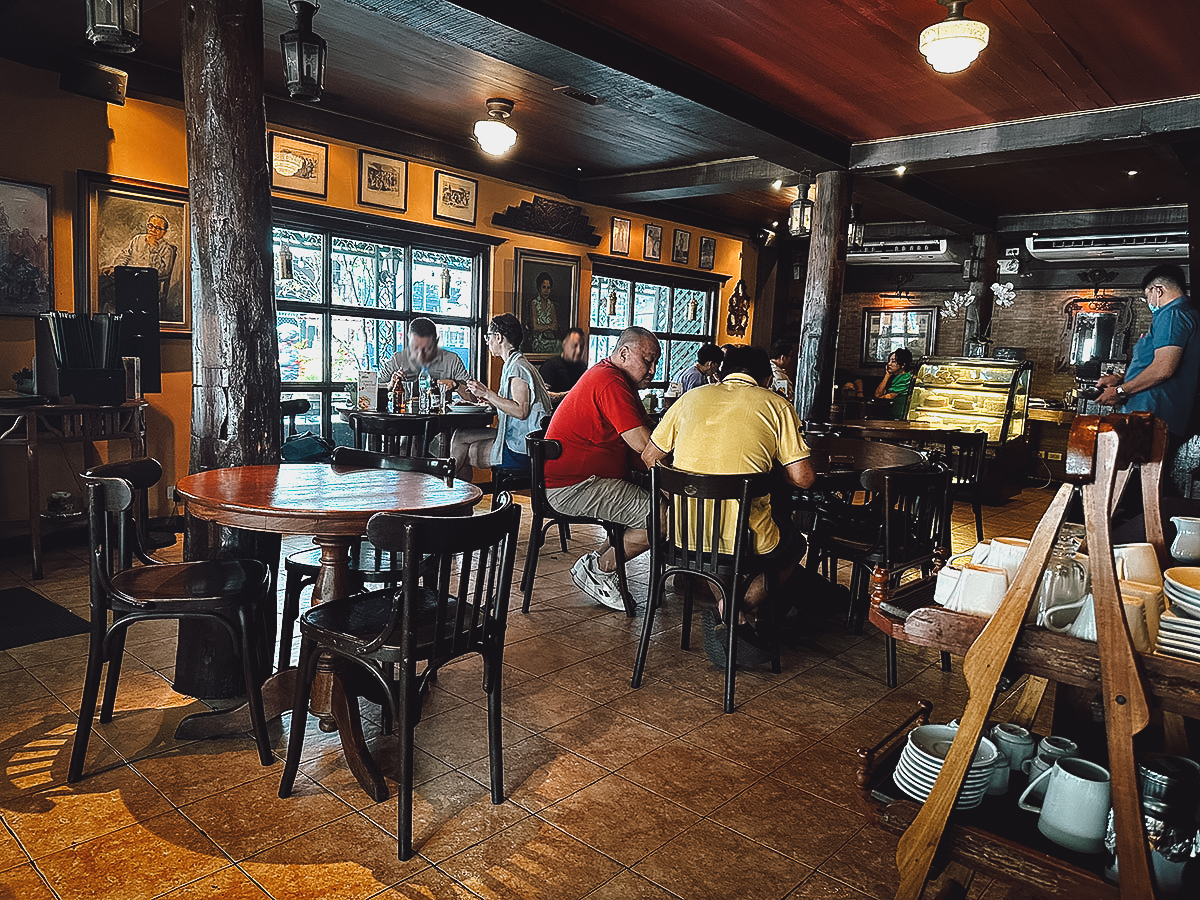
(1164, 372)
(708, 360)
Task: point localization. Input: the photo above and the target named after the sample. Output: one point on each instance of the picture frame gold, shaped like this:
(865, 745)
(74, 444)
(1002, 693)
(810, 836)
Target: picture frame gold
(27, 288)
(618, 244)
(298, 166)
(545, 324)
(455, 198)
(382, 181)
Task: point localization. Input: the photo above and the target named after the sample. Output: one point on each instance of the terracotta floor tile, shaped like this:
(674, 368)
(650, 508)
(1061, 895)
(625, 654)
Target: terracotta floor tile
(690, 776)
(748, 741)
(538, 772)
(606, 737)
(460, 736)
(25, 883)
(826, 771)
(541, 654)
(531, 859)
(798, 710)
(867, 862)
(599, 815)
(666, 707)
(11, 854)
(598, 678)
(202, 768)
(819, 886)
(630, 886)
(539, 704)
(709, 861)
(428, 884)
(333, 774)
(835, 685)
(228, 884)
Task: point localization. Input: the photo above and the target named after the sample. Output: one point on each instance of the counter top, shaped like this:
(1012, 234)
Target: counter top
(1057, 416)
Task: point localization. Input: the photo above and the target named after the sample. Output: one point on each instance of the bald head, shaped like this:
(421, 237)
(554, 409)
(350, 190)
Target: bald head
(636, 354)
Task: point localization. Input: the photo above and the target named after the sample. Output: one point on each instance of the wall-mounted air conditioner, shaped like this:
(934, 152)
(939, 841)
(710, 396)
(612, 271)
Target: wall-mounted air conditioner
(1157, 245)
(908, 253)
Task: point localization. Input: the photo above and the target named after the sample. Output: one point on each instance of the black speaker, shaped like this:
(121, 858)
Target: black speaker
(137, 300)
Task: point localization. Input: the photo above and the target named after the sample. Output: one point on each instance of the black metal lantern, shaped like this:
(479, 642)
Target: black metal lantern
(800, 214)
(303, 54)
(115, 25)
(854, 232)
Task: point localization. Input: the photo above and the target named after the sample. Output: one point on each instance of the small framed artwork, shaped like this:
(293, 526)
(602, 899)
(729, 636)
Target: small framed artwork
(299, 166)
(454, 198)
(652, 248)
(26, 270)
(680, 247)
(708, 252)
(887, 330)
(547, 300)
(382, 181)
(133, 223)
(619, 243)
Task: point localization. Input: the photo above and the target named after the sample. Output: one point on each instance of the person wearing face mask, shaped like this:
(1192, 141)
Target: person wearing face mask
(561, 373)
(1164, 370)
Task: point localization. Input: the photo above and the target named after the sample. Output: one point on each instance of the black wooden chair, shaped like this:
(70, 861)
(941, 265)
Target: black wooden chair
(964, 454)
(231, 592)
(697, 508)
(142, 474)
(394, 435)
(288, 410)
(367, 566)
(454, 604)
(545, 516)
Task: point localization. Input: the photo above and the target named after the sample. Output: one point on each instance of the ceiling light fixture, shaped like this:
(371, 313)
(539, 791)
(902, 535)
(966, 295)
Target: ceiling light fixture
(303, 54)
(953, 44)
(115, 25)
(777, 183)
(900, 170)
(495, 136)
(800, 213)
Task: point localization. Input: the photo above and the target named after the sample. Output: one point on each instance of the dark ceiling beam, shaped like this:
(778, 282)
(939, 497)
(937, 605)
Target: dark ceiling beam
(1047, 136)
(915, 198)
(1098, 220)
(704, 179)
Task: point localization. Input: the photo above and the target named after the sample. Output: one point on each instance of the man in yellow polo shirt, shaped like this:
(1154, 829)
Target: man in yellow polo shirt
(733, 428)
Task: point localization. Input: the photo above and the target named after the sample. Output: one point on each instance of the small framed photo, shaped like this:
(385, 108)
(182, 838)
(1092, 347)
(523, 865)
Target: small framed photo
(680, 247)
(454, 198)
(888, 329)
(547, 300)
(123, 222)
(299, 166)
(619, 243)
(652, 248)
(708, 252)
(27, 272)
(382, 181)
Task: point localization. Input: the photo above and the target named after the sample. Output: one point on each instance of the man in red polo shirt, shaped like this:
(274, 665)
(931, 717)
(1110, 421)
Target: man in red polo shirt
(599, 422)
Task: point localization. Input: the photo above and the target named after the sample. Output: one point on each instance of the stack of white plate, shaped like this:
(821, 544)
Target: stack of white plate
(921, 762)
(1182, 587)
(1179, 626)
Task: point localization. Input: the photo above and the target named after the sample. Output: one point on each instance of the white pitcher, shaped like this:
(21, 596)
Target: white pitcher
(1186, 546)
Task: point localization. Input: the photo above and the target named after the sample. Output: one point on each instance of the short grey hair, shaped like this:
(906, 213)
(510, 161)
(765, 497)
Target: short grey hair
(635, 335)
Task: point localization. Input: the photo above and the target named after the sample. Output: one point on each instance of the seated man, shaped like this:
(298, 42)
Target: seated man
(708, 361)
(421, 351)
(598, 422)
(735, 427)
(561, 373)
(783, 364)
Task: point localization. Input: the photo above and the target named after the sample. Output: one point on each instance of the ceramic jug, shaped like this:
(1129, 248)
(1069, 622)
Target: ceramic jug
(1186, 546)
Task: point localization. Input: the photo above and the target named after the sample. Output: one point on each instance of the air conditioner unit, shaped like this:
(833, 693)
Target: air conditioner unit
(1080, 248)
(909, 253)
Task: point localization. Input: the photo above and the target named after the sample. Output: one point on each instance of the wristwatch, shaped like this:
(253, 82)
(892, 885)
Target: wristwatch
(1120, 389)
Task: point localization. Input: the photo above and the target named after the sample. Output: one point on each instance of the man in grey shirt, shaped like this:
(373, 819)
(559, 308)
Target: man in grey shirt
(420, 351)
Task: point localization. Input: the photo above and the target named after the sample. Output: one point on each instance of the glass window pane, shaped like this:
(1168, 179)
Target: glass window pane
(457, 339)
(600, 346)
(688, 313)
(309, 421)
(356, 345)
(682, 356)
(307, 282)
(650, 306)
(443, 284)
(602, 287)
(301, 342)
(365, 274)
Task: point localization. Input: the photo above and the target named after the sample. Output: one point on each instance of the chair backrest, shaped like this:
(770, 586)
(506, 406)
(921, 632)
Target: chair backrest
(353, 458)
(461, 586)
(540, 449)
(913, 503)
(288, 410)
(141, 475)
(964, 454)
(388, 434)
(111, 532)
(698, 507)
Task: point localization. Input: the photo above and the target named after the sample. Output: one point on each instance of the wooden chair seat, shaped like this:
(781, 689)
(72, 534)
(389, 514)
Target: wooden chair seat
(176, 586)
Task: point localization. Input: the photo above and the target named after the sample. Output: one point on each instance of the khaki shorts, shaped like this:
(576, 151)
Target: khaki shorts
(610, 499)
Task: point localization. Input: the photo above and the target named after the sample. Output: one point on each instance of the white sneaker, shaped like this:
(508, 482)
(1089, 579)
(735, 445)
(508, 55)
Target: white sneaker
(602, 587)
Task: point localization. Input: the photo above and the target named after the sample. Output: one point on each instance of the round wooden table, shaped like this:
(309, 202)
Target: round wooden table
(897, 430)
(457, 417)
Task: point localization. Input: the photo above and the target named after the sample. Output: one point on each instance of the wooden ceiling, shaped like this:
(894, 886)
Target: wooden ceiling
(690, 109)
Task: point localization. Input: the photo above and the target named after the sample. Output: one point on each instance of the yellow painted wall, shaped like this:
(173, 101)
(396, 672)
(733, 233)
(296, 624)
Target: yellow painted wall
(50, 135)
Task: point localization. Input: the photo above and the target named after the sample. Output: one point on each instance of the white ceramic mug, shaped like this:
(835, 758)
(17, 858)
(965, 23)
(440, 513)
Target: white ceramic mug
(1015, 742)
(1074, 812)
(1050, 749)
(1137, 562)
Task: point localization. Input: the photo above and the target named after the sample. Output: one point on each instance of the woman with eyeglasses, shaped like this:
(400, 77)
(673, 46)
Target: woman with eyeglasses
(520, 405)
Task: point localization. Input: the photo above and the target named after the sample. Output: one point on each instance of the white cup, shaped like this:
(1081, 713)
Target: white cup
(1015, 742)
(1050, 749)
(1007, 553)
(1074, 812)
(979, 591)
(1137, 562)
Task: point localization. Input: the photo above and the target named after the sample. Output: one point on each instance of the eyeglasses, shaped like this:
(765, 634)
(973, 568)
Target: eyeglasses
(150, 226)
(491, 334)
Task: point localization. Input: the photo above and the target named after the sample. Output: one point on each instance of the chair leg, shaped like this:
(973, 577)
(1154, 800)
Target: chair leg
(616, 539)
(529, 570)
(494, 679)
(856, 617)
(639, 665)
(291, 611)
(889, 644)
(116, 653)
(305, 670)
(732, 608)
(407, 713)
(87, 706)
(564, 535)
(977, 506)
(250, 670)
(946, 666)
(689, 594)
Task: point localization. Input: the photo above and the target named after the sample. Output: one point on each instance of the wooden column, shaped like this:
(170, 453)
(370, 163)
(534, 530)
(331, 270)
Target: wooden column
(979, 316)
(235, 356)
(823, 297)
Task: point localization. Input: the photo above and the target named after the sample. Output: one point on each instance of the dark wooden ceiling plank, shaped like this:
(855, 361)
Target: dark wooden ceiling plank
(1098, 220)
(918, 199)
(719, 177)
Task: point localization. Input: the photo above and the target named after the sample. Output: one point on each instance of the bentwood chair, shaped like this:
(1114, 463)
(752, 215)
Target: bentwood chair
(545, 516)
(453, 604)
(142, 474)
(288, 410)
(366, 566)
(394, 435)
(964, 454)
(698, 507)
(231, 592)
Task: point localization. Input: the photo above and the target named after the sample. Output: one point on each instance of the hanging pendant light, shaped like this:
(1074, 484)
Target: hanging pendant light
(955, 43)
(445, 282)
(612, 304)
(494, 135)
(800, 213)
(284, 271)
(115, 25)
(303, 54)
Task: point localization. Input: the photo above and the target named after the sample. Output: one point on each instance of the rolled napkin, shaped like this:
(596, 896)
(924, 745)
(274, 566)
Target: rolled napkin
(979, 591)
(1007, 553)
(947, 576)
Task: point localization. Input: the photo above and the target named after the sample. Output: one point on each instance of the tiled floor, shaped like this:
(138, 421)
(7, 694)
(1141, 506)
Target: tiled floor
(611, 793)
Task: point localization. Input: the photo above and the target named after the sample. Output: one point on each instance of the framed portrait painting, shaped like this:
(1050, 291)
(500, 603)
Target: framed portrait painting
(382, 181)
(547, 300)
(619, 243)
(299, 166)
(708, 252)
(887, 330)
(132, 223)
(26, 268)
(680, 247)
(454, 198)
(652, 247)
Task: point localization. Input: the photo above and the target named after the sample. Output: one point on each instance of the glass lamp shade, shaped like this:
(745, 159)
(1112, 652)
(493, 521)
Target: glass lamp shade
(856, 228)
(494, 136)
(115, 25)
(800, 215)
(303, 56)
(954, 44)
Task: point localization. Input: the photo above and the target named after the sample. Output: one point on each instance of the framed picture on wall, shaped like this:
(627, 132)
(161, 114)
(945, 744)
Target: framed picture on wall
(889, 329)
(454, 198)
(26, 269)
(123, 222)
(298, 166)
(652, 247)
(382, 181)
(680, 247)
(619, 243)
(708, 252)
(547, 299)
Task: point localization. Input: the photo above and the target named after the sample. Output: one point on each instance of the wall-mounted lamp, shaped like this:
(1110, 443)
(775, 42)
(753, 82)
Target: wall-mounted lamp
(970, 270)
(954, 43)
(283, 271)
(856, 229)
(303, 54)
(739, 311)
(115, 25)
(800, 213)
(693, 308)
(612, 304)
(494, 135)
(445, 282)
